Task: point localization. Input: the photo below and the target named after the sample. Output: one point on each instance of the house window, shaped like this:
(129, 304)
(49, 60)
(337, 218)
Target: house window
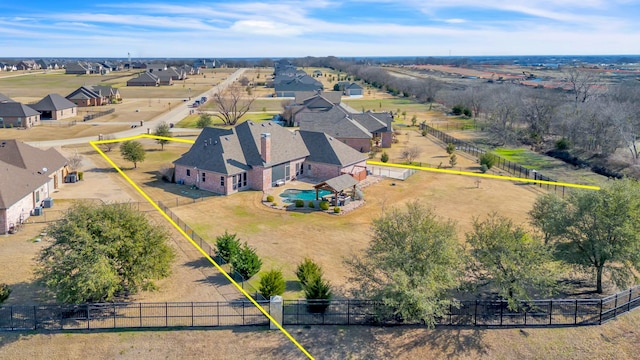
(234, 180)
(37, 197)
(1, 122)
(221, 180)
(297, 169)
(203, 177)
(188, 172)
(309, 168)
(244, 179)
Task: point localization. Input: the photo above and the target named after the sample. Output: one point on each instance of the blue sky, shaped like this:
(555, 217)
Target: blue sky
(295, 28)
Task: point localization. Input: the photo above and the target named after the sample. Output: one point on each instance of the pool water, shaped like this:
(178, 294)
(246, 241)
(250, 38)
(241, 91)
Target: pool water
(291, 195)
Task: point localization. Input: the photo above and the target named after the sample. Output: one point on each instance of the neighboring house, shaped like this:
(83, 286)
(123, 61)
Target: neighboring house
(205, 64)
(360, 131)
(353, 89)
(144, 79)
(15, 114)
(33, 175)
(318, 102)
(111, 93)
(55, 107)
(260, 156)
(87, 96)
(78, 68)
(289, 86)
(27, 65)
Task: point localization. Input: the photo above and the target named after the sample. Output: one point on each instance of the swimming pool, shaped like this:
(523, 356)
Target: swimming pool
(291, 195)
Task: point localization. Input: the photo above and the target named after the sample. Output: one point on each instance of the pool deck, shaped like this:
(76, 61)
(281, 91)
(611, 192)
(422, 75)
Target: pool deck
(307, 184)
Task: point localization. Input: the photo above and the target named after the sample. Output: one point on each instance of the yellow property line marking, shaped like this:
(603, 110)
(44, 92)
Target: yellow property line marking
(94, 145)
(499, 177)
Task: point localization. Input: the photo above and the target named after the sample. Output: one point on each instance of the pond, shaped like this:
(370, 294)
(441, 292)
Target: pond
(291, 195)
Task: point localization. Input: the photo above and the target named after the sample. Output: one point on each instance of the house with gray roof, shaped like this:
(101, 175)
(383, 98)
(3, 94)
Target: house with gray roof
(29, 175)
(78, 68)
(259, 156)
(87, 96)
(353, 90)
(361, 131)
(144, 79)
(55, 107)
(15, 114)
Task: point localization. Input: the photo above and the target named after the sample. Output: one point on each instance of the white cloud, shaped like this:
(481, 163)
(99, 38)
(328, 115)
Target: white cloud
(259, 27)
(455, 21)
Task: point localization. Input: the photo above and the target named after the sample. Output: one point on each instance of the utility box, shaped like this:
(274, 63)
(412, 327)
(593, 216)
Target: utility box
(47, 203)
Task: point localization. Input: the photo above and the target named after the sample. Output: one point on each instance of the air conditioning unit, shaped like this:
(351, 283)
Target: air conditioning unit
(47, 203)
(37, 211)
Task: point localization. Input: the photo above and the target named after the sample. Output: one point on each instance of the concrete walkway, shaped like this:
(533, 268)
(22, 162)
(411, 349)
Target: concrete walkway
(172, 116)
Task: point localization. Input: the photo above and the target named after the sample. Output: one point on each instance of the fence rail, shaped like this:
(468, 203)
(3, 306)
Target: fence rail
(486, 313)
(93, 115)
(502, 163)
(131, 315)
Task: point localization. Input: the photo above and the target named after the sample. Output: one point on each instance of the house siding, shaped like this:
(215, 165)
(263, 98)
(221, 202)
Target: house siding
(321, 171)
(27, 122)
(22, 208)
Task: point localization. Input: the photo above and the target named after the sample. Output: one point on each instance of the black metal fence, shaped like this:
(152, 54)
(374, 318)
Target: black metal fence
(495, 313)
(131, 315)
(93, 115)
(491, 313)
(502, 163)
(206, 247)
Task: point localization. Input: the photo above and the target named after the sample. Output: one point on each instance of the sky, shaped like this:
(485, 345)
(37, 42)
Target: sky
(293, 28)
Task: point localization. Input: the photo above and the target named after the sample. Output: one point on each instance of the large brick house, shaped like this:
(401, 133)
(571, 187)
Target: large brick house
(259, 156)
(28, 175)
(15, 114)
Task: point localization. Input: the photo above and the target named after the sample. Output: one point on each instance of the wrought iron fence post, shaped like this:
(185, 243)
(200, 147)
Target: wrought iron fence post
(35, 318)
(192, 314)
(501, 310)
(140, 313)
(575, 315)
(615, 312)
(475, 314)
(550, 310)
(601, 304)
(88, 316)
(629, 302)
(114, 315)
(166, 314)
(348, 312)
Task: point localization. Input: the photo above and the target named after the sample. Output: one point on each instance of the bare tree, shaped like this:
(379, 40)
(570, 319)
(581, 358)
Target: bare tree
(110, 145)
(287, 111)
(503, 115)
(411, 153)
(232, 104)
(75, 161)
(583, 84)
(538, 111)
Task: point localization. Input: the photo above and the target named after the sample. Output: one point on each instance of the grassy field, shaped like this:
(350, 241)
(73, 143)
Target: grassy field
(527, 158)
(191, 120)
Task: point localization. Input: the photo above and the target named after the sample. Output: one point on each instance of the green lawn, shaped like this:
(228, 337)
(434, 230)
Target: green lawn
(526, 158)
(378, 105)
(191, 120)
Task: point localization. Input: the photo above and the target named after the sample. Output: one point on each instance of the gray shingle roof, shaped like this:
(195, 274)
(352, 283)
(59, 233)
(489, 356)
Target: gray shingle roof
(238, 149)
(4, 98)
(83, 93)
(339, 183)
(328, 150)
(53, 102)
(372, 121)
(143, 78)
(21, 169)
(16, 109)
(335, 122)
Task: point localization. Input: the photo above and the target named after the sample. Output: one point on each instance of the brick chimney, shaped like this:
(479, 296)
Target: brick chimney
(265, 147)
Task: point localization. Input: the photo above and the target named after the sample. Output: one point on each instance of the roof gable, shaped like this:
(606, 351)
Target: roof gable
(53, 102)
(326, 149)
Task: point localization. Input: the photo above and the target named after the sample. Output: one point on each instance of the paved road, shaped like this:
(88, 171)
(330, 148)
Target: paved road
(174, 115)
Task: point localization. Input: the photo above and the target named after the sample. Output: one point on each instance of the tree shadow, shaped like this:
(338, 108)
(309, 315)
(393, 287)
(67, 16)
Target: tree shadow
(452, 342)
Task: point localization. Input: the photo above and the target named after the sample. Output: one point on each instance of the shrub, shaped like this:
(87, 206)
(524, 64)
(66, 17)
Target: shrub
(204, 120)
(483, 168)
(451, 148)
(453, 160)
(247, 263)
(318, 294)
(336, 210)
(488, 159)
(269, 198)
(563, 144)
(5, 291)
(324, 205)
(424, 132)
(308, 270)
(384, 157)
(311, 205)
(80, 175)
(299, 203)
(275, 204)
(272, 283)
(228, 246)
